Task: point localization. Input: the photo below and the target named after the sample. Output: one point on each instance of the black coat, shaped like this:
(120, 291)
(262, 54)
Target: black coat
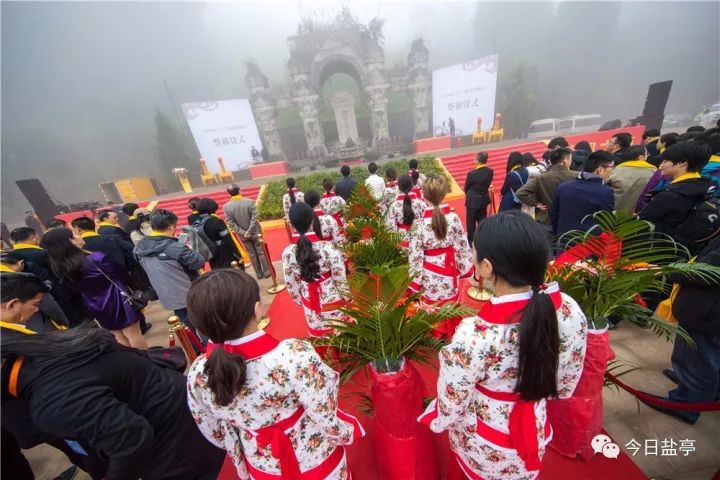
(37, 256)
(698, 304)
(476, 188)
(227, 252)
(113, 230)
(118, 404)
(344, 187)
(669, 207)
(118, 250)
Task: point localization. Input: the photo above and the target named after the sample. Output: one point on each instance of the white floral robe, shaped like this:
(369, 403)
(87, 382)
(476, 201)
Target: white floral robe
(333, 280)
(330, 229)
(285, 381)
(431, 267)
(421, 178)
(484, 355)
(394, 216)
(391, 192)
(299, 197)
(333, 205)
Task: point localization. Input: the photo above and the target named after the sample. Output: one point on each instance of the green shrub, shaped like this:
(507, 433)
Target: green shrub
(270, 203)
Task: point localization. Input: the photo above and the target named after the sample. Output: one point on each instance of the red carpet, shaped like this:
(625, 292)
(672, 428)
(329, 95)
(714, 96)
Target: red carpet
(287, 320)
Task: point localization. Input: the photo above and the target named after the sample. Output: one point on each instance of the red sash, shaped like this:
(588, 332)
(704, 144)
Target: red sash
(444, 208)
(417, 191)
(319, 213)
(449, 269)
(281, 446)
(523, 433)
(401, 196)
(321, 472)
(510, 312)
(313, 303)
(328, 195)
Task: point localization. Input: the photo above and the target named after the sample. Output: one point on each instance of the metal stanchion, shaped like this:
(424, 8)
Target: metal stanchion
(480, 293)
(288, 230)
(180, 332)
(276, 287)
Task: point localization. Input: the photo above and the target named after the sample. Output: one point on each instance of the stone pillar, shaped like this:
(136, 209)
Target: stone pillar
(377, 103)
(263, 106)
(307, 106)
(420, 95)
(344, 105)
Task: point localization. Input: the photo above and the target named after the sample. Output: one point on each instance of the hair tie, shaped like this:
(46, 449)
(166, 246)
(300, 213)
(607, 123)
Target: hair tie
(542, 288)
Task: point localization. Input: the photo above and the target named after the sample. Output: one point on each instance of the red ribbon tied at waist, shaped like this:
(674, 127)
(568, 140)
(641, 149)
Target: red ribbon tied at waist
(281, 447)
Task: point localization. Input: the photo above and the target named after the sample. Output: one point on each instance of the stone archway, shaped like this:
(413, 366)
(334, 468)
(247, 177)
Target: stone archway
(344, 46)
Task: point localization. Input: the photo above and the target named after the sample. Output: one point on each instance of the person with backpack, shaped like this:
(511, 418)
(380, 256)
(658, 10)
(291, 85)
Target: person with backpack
(681, 210)
(711, 137)
(228, 248)
(170, 265)
(516, 176)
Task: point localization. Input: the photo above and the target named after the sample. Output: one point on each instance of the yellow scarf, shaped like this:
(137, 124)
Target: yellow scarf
(21, 246)
(236, 197)
(516, 167)
(106, 224)
(238, 244)
(687, 176)
(155, 233)
(715, 158)
(17, 327)
(5, 268)
(132, 217)
(480, 166)
(638, 164)
(88, 234)
(195, 211)
(661, 149)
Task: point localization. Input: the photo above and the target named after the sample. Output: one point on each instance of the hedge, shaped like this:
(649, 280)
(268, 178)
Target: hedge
(270, 203)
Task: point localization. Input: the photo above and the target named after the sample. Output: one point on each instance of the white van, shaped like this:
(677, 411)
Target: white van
(553, 127)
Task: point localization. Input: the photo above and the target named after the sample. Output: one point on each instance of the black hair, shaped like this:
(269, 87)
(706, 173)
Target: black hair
(634, 152)
(415, 176)
(312, 198)
(653, 132)
(327, 185)
(687, 137)
(514, 159)
(345, 170)
(207, 206)
(129, 208)
(405, 184)
(104, 214)
(529, 159)
(84, 223)
(583, 145)
(301, 217)
(558, 142)
(192, 203)
(710, 137)
(481, 157)
(622, 139)
(162, 219)
(372, 167)
(669, 139)
(597, 159)
(21, 286)
(233, 190)
(413, 164)
(290, 182)
(22, 234)
(66, 260)
(695, 128)
(517, 248)
(559, 154)
(221, 304)
(56, 223)
(390, 174)
(696, 154)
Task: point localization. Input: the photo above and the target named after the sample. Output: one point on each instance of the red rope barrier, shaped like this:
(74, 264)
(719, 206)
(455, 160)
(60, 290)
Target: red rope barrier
(659, 402)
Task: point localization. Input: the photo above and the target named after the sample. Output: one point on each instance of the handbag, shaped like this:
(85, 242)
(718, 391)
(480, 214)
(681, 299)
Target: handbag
(514, 196)
(134, 298)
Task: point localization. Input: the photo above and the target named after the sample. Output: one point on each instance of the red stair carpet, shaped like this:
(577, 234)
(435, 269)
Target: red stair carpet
(287, 321)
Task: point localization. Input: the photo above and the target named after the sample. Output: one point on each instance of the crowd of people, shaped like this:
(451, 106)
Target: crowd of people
(107, 402)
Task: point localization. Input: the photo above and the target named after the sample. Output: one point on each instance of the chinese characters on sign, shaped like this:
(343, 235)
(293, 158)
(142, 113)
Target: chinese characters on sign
(229, 141)
(667, 447)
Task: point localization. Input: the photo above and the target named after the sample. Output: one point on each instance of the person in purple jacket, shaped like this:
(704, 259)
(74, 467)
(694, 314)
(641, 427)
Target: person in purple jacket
(101, 283)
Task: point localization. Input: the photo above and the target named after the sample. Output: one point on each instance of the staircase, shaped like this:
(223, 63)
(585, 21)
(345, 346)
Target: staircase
(178, 205)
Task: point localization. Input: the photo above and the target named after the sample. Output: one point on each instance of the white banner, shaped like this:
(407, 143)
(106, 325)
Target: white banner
(226, 129)
(464, 92)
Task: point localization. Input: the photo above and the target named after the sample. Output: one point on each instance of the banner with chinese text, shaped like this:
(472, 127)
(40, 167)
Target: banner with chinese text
(225, 128)
(464, 92)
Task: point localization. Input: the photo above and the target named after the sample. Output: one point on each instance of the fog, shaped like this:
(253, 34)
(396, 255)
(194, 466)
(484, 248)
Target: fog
(82, 82)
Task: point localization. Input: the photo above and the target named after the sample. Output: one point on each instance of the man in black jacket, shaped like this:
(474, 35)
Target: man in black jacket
(668, 208)
(477, 197)
(133, 223)
(345, 185)
(117, 249)
(109, 224)
(696, 370)
(26, 246)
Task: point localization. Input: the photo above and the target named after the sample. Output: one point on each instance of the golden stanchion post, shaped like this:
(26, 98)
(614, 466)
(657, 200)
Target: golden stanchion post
(276, 287)
(179, 331)
(480, 293)
(288, 230)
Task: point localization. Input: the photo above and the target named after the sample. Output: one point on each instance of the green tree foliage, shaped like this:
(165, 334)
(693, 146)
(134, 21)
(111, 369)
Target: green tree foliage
(518, 97)
(174, 149)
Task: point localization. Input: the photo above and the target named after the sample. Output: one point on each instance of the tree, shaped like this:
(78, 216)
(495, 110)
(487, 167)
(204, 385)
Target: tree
(517, 97)
(173, 148)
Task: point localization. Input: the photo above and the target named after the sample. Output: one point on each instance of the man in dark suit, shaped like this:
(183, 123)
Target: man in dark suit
(110, 225)
(133, 223)
(26, 246)
(117, 249)
(477, 197)
(345, 185)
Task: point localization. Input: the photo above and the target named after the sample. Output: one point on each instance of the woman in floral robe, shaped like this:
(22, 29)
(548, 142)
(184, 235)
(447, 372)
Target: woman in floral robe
(391, 190)
(439, 252)
(332, 204)
(526, 345)
(314, 274)
(405, 211)
(324, 226)
(272, 405)
(292, 196)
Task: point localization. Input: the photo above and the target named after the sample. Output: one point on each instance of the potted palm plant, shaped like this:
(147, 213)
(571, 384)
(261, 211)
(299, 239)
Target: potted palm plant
(607, 270)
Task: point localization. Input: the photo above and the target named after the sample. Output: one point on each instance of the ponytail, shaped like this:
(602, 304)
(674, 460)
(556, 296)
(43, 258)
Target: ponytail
(291, 192)
(226, 375)
(439, 223)
(307, 259)
(317, 227)
(408, 214)
(539, 349)
(290, 182)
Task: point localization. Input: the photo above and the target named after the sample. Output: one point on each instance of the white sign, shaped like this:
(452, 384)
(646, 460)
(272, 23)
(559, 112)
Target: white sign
(226, 129)
(465, 92)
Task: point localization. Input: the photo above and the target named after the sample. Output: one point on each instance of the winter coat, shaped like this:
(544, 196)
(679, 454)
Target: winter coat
(628, 182)
(576, 200)
(542, 189)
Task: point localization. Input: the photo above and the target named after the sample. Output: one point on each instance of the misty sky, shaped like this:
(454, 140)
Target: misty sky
(81, 81)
